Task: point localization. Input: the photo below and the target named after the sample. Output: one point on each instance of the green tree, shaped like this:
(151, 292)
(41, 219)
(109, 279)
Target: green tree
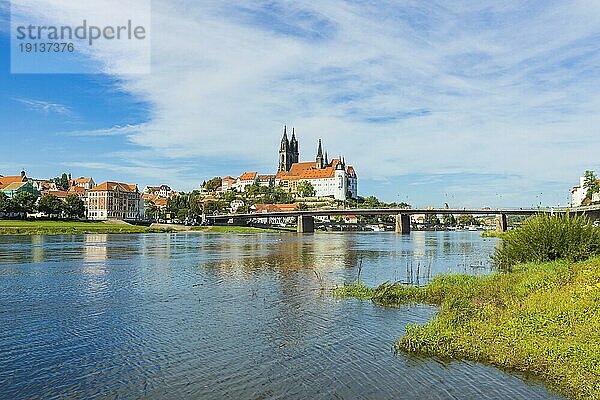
(448, 220)
(466, 219)
(24, 202)
(591, 184)
(432, 219)
(371, 202)
(74, 207)
(50, 205)
(216, 207)
(306, 189)
(62, 182)
(5, 203)
(213, 184)
(151, 211)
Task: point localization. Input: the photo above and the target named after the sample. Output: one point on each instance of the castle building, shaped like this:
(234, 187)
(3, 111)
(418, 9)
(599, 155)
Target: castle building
(329, 178)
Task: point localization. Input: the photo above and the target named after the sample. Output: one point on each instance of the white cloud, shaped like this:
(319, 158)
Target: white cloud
(411, 88)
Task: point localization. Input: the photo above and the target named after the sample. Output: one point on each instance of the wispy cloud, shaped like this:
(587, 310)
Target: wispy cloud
(45, 107)
(116, 130)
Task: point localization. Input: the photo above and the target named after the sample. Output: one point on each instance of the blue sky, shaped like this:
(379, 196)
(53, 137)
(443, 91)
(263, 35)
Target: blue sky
(433, 102)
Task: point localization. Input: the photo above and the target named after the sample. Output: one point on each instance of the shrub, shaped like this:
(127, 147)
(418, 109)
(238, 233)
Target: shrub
(547, 238)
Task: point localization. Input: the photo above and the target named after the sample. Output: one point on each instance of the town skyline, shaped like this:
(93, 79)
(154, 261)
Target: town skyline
(477, 105)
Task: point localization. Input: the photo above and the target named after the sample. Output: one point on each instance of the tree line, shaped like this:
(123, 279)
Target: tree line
(48, 204)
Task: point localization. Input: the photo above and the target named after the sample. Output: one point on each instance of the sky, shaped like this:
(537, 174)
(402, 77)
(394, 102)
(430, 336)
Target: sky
(460, 102)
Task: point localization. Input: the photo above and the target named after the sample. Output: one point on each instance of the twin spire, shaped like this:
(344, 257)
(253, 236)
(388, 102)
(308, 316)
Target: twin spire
(289, 152)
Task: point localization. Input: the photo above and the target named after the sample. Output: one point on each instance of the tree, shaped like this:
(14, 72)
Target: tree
(371, 202)
(50, 205)
(24, 202)
(591, 184)
(306, 189)
(62, 182)
(448, 219)
(213, 184)
(5, 203)
(466, 219)
(151, 211)
(432, 219)
(74, 207)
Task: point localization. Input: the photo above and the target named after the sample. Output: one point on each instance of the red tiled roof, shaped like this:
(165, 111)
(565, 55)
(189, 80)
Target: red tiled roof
(78, 190)
(111, 186)
(265, 208)
(61, 194)
(248, 176)
(7, 180)
(308, 170)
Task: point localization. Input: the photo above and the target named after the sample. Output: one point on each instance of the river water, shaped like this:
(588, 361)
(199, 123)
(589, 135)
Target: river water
(213, 316)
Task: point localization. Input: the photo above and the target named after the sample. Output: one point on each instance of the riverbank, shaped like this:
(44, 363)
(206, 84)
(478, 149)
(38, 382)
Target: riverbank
(541, 319)
(20, 227)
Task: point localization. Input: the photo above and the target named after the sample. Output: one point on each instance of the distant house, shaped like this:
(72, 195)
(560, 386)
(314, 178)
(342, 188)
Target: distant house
(7, 180)
(246, 179)
(162, 191)
(264, 209)
(61, 194)
(235, 205)
(12, 189)
(85, 183)
(227, 184)
(267, 208)
(579, 192)
(114, 200)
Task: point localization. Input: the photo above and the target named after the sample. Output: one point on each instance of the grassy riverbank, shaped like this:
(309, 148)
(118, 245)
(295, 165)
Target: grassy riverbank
(542, 319)
(18, 227)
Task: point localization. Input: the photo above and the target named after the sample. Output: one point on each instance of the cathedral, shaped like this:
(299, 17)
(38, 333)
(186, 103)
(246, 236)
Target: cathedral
(329, 178)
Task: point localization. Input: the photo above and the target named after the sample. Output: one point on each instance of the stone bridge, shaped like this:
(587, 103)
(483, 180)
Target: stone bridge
(306, 219)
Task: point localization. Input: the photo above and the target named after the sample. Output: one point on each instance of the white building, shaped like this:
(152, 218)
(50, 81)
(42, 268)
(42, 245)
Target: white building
(164, 191)
(579, 192)
(333, 179)
(246, 179)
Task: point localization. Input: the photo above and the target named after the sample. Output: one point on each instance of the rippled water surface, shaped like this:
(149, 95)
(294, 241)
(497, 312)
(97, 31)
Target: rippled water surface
(209, 316)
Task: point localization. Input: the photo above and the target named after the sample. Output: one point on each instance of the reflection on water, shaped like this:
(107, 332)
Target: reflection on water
(237, 316)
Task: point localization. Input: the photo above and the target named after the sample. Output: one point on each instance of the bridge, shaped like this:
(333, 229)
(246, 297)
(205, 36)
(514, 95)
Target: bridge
(306, 219)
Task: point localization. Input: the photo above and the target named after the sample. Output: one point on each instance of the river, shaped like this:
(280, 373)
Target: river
(239, 316)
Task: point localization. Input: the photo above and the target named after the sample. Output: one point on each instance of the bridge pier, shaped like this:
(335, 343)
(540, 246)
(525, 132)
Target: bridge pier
(306, 224)
(403, 224)
(501, 223)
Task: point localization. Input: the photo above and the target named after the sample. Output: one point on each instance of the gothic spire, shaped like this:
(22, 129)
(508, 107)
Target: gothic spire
(320, 162)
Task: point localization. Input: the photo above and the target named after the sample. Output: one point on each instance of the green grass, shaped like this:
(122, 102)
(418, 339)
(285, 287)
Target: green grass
(492, 234)
(541, 319)
(544, 238)
(238, 229)
(18, 227)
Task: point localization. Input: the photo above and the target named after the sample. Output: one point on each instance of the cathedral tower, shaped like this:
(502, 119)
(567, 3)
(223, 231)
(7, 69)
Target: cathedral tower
(285, 156)
(320, 162)
(295, 151)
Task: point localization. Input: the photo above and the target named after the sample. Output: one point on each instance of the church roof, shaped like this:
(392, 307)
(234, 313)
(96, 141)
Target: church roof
(308, 170)
(248, 176)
